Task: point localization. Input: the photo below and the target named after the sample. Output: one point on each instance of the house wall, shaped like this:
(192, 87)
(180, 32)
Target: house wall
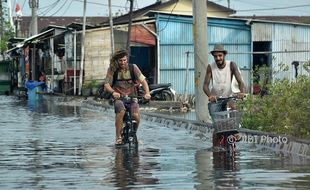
(176, 38)
(284, 37)
(97, 54)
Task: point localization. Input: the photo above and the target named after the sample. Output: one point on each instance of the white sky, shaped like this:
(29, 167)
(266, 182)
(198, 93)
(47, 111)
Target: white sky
(100, 7)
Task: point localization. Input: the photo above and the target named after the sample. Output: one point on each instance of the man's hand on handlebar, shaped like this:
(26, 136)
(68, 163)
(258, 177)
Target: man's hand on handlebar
(116, 95)
(147, 96)
(241, 95)
(212, 98)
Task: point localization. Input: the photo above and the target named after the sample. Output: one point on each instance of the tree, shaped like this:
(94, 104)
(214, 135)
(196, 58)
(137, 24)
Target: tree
(6, 29)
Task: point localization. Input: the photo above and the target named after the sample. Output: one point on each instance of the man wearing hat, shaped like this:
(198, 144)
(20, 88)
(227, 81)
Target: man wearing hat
(124, 85)
(221, 72)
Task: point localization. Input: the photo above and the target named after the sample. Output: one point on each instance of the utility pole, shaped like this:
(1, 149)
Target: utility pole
(111, 27)
(129, 26)
(201, 58)
(1, 27)
(1, 20)
(34, 4)
(82, 49)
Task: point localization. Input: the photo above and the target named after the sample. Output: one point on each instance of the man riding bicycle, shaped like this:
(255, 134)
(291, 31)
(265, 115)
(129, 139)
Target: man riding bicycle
(124, 85)
(221, 73)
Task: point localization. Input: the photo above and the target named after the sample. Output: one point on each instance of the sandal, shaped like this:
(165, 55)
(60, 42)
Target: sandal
(119, 141)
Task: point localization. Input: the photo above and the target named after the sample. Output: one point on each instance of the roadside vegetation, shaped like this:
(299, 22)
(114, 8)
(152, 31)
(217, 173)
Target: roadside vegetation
(282, 108)
(6, 32)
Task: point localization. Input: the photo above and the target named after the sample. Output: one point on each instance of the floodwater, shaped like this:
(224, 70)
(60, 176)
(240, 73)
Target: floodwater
(48, 146)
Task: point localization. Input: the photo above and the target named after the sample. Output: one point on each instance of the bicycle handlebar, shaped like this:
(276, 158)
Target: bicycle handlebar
(233, 97)
(141, 99)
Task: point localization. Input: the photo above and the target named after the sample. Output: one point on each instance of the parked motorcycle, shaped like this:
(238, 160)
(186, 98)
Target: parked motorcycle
(160, 92)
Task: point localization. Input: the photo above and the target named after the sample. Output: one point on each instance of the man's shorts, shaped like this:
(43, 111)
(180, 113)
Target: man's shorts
(119, 106)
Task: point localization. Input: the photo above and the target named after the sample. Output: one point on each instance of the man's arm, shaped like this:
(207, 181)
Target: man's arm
(108, 82)
(108, 88)
(141, 78)
(146, 89)
(237, 74)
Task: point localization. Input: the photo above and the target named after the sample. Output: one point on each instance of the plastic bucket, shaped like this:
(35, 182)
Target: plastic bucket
(32, 93)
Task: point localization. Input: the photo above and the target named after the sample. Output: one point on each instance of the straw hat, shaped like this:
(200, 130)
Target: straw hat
(219, 48)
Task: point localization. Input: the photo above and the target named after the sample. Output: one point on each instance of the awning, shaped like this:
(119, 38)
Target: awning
(19, 45)
(38, 35)
(31, 38)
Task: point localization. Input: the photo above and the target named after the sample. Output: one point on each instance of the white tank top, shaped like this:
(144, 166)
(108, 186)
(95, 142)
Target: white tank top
(221, 80)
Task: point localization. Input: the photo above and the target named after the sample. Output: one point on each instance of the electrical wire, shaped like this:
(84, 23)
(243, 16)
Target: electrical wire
(168, 17)
(277, 8)
(48, 8)
(60, 8)
(260, 4)
(102, 4)
(67, 8)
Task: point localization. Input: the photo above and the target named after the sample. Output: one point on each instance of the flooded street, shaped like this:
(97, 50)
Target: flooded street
(48, 146)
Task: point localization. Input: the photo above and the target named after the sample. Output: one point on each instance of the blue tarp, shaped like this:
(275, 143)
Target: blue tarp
(33, 84)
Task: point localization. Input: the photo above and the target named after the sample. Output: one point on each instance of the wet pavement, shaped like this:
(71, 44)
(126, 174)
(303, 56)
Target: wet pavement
(48, 146)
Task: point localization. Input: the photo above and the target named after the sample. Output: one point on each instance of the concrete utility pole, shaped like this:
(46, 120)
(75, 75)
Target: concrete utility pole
(82, 49)
(1, 20)
(34, 4)
(129, 26)
(111, 27)
(201, 57)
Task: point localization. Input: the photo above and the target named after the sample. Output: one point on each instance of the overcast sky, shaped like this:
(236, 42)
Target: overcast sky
(100, 7)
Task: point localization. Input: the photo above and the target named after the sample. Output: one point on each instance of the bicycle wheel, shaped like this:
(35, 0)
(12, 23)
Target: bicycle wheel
(132, 139)
(125, 134)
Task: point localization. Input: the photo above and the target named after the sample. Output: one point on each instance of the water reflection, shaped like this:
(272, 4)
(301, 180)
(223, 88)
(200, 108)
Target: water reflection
(216, 170)
(43, 106)
(129, 172)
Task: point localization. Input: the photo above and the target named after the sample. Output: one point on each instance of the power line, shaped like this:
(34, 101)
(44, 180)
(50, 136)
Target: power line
(102, 4)
(277, 8)
(67, 8)
(59, 8)
(48, 8)
(168, 17)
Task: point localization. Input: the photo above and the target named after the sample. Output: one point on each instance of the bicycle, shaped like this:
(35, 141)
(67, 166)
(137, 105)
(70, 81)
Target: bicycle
(226, 125)
(129, 130)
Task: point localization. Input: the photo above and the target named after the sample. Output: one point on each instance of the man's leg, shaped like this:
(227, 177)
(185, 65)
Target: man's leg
(119, 123)
(136, 114)
(120, 112)
(232, 105)
(215, 107)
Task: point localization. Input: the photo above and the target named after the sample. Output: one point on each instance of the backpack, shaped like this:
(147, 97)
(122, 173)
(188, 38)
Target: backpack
(132, 74)
(107, 95)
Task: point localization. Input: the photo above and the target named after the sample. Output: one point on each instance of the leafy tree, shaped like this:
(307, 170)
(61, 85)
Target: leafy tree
(7, 32)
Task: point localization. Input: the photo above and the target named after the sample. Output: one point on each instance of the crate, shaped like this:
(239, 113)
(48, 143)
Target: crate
(226, 121)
